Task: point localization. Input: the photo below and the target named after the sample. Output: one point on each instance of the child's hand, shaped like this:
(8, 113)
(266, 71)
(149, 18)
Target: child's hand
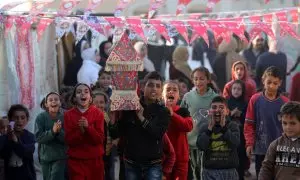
(83, 122)
(249, 151)
(211, 124)
(55, 128)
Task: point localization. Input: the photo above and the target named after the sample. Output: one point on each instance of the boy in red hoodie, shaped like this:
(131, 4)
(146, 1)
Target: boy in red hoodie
(240, 72)
(84, 136)
(181, 123)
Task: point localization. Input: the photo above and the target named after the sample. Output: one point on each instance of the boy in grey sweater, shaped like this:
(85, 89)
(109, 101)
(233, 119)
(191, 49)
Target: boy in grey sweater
(219, 140)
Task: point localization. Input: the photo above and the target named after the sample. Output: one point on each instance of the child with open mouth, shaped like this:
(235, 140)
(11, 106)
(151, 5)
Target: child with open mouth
(181, 123)
(219, 139)
(50, 135)
(84, 136)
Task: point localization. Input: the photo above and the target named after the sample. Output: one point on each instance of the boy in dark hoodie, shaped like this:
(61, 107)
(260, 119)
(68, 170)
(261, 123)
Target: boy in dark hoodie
(219, 139)
(282, 160)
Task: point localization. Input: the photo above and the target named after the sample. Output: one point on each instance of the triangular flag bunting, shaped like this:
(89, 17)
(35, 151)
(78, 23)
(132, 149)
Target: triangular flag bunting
(41, 27)
(63, 26)
(199, 29)
(219, 30)
(135, 24)
(154, 5)
(8, 23)
(66, 7)
(115, 21)
(81, 30)
(121, 5)
(38, 6)
(281, 16)
(93, 4)
(181, 6)
(181, 28)
(160, 27)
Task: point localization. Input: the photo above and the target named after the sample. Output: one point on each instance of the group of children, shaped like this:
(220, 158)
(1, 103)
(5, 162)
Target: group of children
(170, 136)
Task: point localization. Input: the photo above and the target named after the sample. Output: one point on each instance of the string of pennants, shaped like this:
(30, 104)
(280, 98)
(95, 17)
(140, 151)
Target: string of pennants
(190, 26)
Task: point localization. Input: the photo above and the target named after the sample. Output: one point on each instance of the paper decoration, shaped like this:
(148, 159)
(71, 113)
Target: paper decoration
(63, 26)
(181, 28)
(93, 4)
(11, 5)
(286, 28)
(82, 29)
(211, 4)
(115, 21)
(23, 26)
(220, 31)
(124, 57)
(41, 27)
(154, 5)
(181, 6)
(67, 6)
(281, 16)
(135, 24)
(294, 15)
(161, 28)
(236, 28)
(199, 29)
(8, 23)
(268, 18)
(121, 5)
(38, 7)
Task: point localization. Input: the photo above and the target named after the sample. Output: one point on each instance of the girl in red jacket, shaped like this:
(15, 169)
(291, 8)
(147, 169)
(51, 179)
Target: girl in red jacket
(84, 135)
(181, 123)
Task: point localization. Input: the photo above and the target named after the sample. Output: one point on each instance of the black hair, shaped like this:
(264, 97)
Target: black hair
(207, 74)
(240, 82)
(101, 48)
(102, 71)
(291, 108)
(219, 99)
(17, 107)
(74, 93)
(44, 101)
(272, 71)
(153, 75)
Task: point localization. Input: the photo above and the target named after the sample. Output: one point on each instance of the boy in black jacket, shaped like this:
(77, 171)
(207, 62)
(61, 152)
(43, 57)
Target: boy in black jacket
(219, 139)
(142, 132)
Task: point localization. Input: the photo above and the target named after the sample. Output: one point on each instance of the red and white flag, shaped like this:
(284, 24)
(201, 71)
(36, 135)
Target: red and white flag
(181, 28)
(154, 5)
(38, 6)
(181, 6)
(93, 4)
(135, 24)
(66, 7)
(41, 27)
(199, 29)
(161, 28)
(121, 5)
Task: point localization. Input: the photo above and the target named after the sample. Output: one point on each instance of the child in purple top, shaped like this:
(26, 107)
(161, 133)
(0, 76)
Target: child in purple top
(262, 125)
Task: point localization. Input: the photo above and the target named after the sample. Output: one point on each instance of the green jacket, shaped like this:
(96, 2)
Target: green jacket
(51, 147)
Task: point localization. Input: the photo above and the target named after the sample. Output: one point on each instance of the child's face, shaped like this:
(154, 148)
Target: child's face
(105, 80)
(219, 111)
(83, 96)
(236, 90)
(153, 90)
(20, 119)
(290, 126)
(239, 71)
(271, 84)
(107, 47)
(53, 103)
(170, 93)
(200, 81)
(99, 102)
(183, 89)
(98, 57)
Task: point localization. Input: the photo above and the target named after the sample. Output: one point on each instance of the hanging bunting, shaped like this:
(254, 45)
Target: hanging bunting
(115, 21)
(199, 29)
(281, 16)
(181, 28)
(286, 28)
(135, 25)
(82, 29)
(96, 24)
(93, 4)
(160, 27)
(11, 5)
(23, 26)
(8, 23)
(268, 18)
(38, 6)
(211, 4)
(237, 29)
(66, 7)
(63, 26)
(121, 5)
(154, 5)
(294, 15)
(181, 6)
(41, 27)
(220, 31)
